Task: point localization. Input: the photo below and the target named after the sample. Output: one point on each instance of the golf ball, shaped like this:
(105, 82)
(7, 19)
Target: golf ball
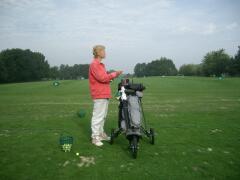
(77, 154)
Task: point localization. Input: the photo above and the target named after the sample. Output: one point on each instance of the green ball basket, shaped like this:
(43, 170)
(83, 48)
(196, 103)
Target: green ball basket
(66, 142)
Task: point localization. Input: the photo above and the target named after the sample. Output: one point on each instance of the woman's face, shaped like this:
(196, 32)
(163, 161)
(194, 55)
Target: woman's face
(102, 54)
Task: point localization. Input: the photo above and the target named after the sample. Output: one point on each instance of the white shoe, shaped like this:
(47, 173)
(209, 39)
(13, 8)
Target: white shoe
(97, 141)
(104, 137)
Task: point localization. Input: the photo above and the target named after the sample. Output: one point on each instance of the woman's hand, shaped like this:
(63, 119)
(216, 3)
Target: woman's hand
(119, 72)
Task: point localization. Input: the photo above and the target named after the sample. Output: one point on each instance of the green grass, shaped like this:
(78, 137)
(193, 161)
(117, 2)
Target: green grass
(197, 124)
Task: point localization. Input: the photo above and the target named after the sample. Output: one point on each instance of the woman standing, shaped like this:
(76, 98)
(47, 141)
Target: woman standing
(99, 83)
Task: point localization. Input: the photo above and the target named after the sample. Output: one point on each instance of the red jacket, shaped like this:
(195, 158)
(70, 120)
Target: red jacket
(99, 80)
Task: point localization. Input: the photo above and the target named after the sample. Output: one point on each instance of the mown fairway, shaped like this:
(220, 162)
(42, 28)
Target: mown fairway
(197, 124)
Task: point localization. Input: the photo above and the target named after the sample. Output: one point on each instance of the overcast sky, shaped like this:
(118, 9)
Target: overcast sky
(132, 30)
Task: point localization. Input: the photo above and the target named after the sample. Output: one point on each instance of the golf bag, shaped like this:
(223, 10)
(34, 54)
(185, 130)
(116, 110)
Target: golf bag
(131, 120)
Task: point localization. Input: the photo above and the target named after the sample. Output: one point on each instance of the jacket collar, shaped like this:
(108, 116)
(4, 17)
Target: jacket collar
(97, 61)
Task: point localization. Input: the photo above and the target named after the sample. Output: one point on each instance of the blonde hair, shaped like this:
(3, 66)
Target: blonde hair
(96, 50)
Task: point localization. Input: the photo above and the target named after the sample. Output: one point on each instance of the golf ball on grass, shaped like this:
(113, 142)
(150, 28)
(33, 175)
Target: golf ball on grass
(209, 149)
(77, 154)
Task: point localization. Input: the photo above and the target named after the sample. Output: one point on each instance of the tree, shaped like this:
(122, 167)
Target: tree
(80, 70)
(216, 63)
(73, 72)
(84, 68)
(234, 69)
(19, 65)
(160, 67)
(140, 69)
(54, 72)
(64, 71)
(3, 72)
(190, 69)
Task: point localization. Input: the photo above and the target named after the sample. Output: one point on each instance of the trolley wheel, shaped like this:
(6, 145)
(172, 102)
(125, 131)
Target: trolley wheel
(134, 146)
(112, 136)
(152, 136)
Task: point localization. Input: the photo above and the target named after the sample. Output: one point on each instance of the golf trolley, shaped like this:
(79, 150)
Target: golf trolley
(131, 119)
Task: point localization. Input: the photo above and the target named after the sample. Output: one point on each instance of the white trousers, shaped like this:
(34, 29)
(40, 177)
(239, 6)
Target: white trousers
(100, 108)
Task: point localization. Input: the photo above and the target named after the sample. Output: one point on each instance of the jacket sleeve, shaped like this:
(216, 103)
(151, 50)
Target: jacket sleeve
(101, 75)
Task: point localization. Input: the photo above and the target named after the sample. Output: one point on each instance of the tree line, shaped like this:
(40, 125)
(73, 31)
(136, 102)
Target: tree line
(17, 65)
(214, 63)
(158, 67)
(77, 71)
